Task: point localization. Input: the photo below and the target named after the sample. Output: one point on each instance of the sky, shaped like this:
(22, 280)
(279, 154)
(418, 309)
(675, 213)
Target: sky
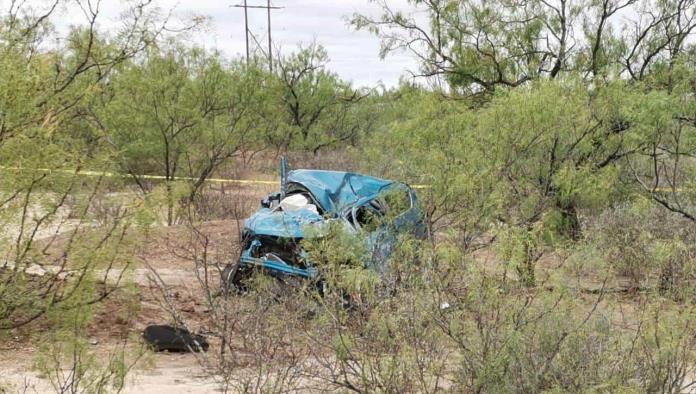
(354, 55)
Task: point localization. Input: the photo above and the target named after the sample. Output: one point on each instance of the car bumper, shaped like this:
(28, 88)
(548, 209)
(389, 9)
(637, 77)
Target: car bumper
(275, 265)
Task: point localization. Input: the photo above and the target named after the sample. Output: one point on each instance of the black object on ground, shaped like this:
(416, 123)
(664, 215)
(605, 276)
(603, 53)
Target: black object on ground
(174, 339)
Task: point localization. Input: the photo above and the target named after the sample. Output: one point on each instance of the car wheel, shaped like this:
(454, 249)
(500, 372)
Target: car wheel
(231, 280)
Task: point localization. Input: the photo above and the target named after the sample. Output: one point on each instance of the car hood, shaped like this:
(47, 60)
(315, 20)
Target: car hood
(336, 190)
(292, 224)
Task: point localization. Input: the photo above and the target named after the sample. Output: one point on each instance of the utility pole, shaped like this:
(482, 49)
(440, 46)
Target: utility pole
(246, 30)
(268, 7)
(270, 50)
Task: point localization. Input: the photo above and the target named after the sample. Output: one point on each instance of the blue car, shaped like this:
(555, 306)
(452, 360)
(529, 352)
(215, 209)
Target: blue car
(309, 200)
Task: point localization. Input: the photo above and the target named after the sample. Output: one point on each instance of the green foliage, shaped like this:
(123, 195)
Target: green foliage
(480, 48)
(67, 242)
(454, 328)
(181, 110)
(647, 246)
(530, 159)
(341, 257)
(561, 133)
(312, 107)
(67, 357)
(520, 249)
(182, 113)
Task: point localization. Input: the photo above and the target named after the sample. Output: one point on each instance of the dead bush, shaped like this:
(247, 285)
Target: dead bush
(254, 345)
(648, 246)
(433, 320)
(225, 203)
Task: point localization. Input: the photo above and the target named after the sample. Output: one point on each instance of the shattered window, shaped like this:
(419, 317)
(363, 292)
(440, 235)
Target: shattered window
(368, 217)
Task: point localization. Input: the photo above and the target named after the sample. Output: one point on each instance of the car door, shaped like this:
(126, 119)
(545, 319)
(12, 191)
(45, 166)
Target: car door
(404, 210)
(368, 220)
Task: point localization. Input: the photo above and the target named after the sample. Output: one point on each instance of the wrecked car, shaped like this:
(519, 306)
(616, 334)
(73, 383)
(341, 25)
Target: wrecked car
(308, 199)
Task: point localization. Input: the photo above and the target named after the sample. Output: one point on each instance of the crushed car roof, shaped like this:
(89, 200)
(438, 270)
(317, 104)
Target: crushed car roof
(335, 190)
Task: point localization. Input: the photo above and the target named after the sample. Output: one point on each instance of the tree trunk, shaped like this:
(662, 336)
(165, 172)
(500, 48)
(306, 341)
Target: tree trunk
(170, 204)
(570, 227)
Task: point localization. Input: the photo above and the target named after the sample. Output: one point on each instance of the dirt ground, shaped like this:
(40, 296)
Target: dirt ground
(167, 261)
(163, 372)
(171, 373)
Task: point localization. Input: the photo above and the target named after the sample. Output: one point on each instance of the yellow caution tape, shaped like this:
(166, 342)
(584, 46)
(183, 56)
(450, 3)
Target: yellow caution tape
(159, 177)
(678, 190)
(215, 180)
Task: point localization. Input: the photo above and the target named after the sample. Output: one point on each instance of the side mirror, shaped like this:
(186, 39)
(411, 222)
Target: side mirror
(265, 203)
(268, 201)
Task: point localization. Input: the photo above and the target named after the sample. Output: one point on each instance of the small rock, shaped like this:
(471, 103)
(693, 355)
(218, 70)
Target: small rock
(93, 341)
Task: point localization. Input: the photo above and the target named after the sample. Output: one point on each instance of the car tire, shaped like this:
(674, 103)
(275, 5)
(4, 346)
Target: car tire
(231, 280)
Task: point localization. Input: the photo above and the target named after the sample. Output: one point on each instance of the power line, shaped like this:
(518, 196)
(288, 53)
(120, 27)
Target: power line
(268, 7)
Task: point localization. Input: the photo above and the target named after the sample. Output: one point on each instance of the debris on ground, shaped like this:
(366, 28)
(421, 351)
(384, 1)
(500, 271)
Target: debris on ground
(173, 339)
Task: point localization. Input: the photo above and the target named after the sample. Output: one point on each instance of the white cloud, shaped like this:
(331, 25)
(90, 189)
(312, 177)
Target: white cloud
(354, 54)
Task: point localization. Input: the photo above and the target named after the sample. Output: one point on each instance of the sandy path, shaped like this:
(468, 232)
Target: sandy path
(173, 373)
